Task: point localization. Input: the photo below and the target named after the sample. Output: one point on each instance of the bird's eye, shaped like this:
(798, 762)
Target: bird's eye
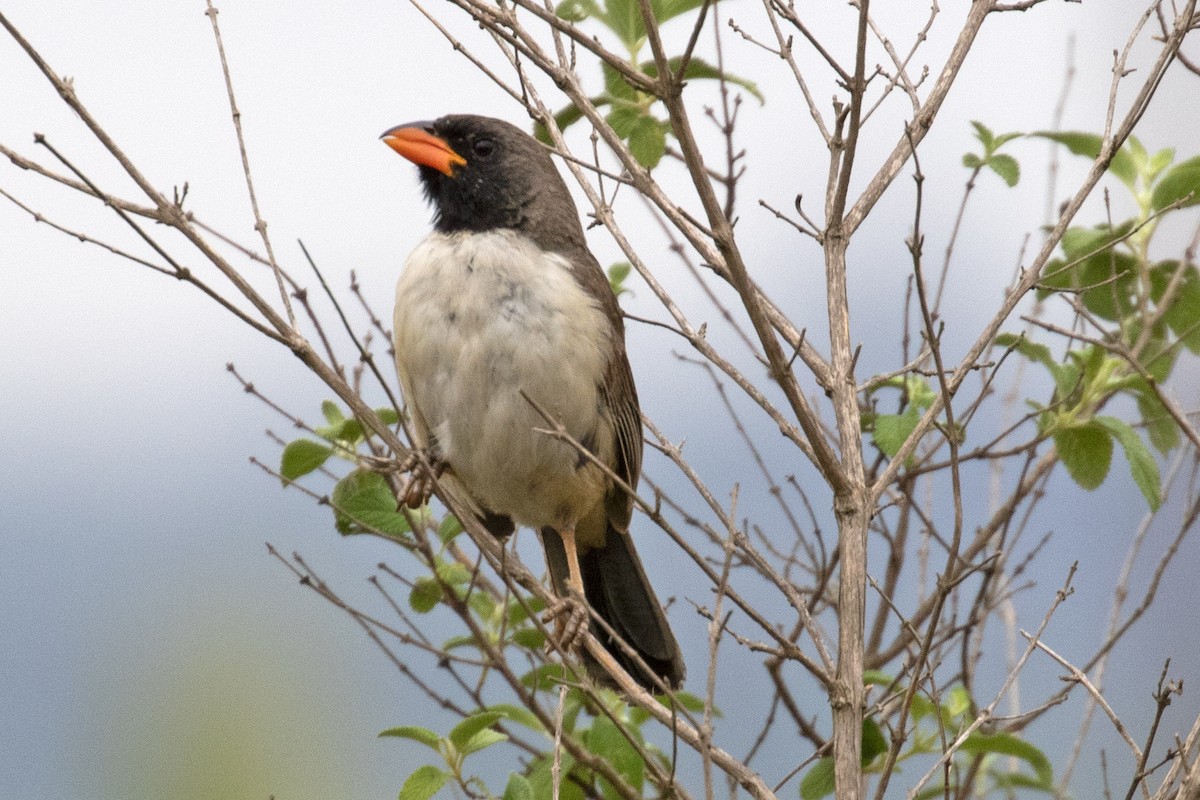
(484, 147)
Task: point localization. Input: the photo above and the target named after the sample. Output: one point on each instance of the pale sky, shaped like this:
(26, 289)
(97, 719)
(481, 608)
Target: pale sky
(140, 617)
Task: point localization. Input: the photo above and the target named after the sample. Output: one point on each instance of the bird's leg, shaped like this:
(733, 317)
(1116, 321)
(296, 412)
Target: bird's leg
(570, 613)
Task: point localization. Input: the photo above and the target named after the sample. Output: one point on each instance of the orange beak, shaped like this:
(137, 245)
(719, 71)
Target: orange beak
(413, 142)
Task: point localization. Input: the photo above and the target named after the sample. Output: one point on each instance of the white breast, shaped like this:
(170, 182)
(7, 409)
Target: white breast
(480, 317)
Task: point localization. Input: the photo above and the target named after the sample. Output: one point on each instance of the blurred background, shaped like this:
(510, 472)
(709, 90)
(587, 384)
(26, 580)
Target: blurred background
(149, 645)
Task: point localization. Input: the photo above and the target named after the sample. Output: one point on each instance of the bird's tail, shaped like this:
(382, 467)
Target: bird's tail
(617, 589)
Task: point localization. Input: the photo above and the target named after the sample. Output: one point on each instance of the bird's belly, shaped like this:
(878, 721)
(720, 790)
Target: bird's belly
(486, 323)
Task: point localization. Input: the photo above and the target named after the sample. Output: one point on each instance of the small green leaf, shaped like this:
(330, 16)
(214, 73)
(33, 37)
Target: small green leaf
(423, 784)
(892, 430)
(1142, 465)
(1008, 745)
(563, 119)
(1088, 145)
(518, 788)
(417, 734)
(449, 528)
(1003, 139)
(482, 740)
(874, 677)
(983, 133)
(1160, 161)
(1086, 452)
(548, 676)
(578, 10)
(465, 730)
(669, 9)
(301, 457)
(541, 779)
(387, 415)
(699, 69)
(818, 781)
(1181, 183)
(453, 573)
(529, 638)
(519, 715)
(617, 274)
(1183, 316)
(363, 503)
(1160, 425)
(873, 741)
(1006, 167)
(648, 142)
(972, 161)
(333, 414)
(957, 702)
(425, 595)
(608, 742)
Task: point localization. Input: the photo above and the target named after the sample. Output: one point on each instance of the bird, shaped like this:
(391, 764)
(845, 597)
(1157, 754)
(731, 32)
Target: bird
(506, 328)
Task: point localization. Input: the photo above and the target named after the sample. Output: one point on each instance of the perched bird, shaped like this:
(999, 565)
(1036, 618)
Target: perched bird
(504, 320)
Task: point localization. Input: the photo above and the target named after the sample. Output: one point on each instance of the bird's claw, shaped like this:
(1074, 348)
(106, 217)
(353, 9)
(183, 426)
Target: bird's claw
(419, 487)
(570, 617)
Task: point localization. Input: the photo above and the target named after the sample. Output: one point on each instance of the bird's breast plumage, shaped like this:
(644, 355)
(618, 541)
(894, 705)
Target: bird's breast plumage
(480, 318)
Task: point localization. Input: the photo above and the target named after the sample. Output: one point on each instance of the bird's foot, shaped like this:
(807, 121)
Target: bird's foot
(570, 617)
(419, 487)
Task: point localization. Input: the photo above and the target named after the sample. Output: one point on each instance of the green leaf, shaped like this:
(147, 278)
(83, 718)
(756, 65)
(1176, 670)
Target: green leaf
(301, 457)
(624, 119)
(607, 741)
(1160, 425)
(648, 141)
(425, 595)
(423, 784)
(363, 503)
(453, 573)
(818, 781)
(1086, 452)
(1161, 160)
(616, 86)
(1006, 167)
(548, 676)
(624, 18)
(518, 788)
(617, 274)
(1088, 145)
(1142, 465)
(563, 119)
(465, 730)
(333, 414)
(1008, 745)
(1182, 181)
(578, 10)
(518, 714)
(892, 430)
(699, 69)
(482, 740)
(873, 741)
(1109, 287)
(449, 528)
(957, 702)
(387, 415)
(541, 779)
(529, 638)
(669, 9)
(972, 161)
(984, 134)
(1183, 315)
(417, 734)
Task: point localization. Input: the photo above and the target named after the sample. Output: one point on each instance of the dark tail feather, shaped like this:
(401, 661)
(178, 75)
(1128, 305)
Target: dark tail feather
(617, 588)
